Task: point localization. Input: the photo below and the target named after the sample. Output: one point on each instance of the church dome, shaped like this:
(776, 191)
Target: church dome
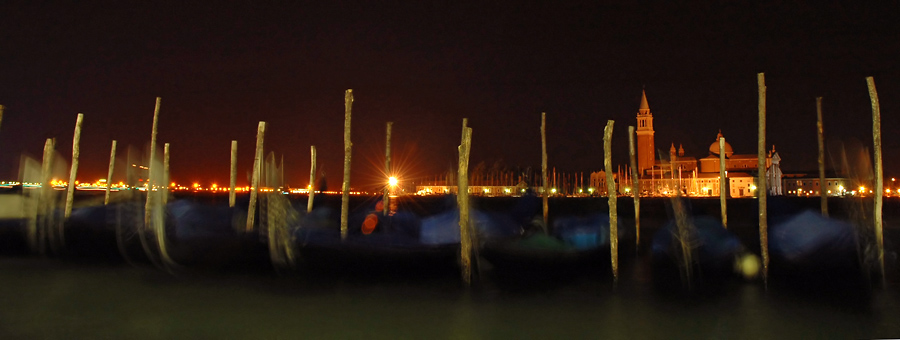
(714, 147)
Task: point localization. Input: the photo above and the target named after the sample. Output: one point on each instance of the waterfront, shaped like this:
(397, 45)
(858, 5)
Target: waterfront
(87, 297)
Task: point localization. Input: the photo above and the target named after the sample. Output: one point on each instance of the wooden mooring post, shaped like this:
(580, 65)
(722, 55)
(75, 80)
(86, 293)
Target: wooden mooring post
(348, 148)
(635, 188)
(148, 206)
(387, 170)
(762, 186)
(233, 174)
(879, 174)
(164, 188)
(820, 132)
(312, 178)
(723, 184)
(465, 232)
(257, 172)
(73, 171)
(109, 174)
(611, 195)
(546, 185)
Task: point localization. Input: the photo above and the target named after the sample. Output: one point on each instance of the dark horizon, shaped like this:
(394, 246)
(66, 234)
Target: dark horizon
(425, 66)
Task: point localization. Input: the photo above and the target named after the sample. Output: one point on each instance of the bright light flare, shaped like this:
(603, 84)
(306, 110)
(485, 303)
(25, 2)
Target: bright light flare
(392, 181)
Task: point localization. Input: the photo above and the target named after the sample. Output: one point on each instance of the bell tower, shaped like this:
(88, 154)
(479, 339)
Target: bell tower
(646, 157)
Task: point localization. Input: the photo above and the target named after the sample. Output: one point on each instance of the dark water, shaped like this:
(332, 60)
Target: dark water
(78, 298)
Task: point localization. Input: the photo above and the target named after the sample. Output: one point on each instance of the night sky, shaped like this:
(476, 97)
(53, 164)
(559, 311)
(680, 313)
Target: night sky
(220, 69)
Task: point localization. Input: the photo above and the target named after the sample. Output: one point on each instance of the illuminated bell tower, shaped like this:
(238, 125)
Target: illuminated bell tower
(646, 157)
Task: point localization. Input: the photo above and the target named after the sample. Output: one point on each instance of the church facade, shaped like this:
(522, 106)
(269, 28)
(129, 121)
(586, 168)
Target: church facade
(693, 176)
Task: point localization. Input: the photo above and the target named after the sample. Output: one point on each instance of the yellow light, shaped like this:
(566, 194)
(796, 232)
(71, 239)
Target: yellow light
(172, 184)
(862, 189)
(752, 187)
(196, 185)
(841, 188)
(553, 190)
(215, 185)
(392, 181)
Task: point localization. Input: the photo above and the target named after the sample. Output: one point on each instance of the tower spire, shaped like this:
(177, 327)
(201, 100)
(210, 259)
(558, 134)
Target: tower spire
(645, 107)
(646, 148)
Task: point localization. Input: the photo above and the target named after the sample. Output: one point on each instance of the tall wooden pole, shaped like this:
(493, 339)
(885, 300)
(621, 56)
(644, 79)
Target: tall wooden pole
(109, 174)
(312, 178)
(879, 172)
(465, 236)
(348, 147)
(159, 223)
(164, 188)
(387, 170)
(823, 193)
(233, 178)
(611, 194)
(257, 172)
(762, 187)
(150, 168)
(73, 171)
(723, 184)
(545, 183)
(1, 114)
(38, 234)
(635, 187)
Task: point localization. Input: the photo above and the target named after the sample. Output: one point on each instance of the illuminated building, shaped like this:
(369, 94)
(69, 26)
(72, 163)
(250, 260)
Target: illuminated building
(698, 177)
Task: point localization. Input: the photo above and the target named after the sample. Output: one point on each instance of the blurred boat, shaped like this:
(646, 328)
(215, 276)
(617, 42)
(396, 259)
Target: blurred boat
(809, 247)
(576, 246)
(399, 242)
(713, 253)
(388, 243)
(13, 221)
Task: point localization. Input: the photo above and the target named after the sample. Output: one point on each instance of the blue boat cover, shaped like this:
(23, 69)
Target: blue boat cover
(585, 232)
(708, 236)
(196, 221)
(808, 233)
(443, 228)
